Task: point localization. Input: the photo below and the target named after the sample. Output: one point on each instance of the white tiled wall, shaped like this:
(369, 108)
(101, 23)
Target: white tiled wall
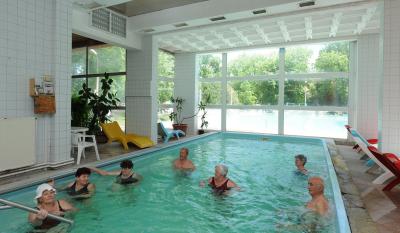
(368, 85)
(140, 91)
(186, 87)
(35, 39)
(390, 118)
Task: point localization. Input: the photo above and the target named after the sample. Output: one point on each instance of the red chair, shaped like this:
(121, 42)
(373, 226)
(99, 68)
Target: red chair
(372, 141)
(392, 162)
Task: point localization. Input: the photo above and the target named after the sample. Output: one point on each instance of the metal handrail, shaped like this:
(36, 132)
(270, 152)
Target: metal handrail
(35, 211)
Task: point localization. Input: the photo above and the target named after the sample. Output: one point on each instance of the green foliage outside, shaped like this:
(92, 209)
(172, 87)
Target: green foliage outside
(101, 59)
(334, 57)
(166, 69)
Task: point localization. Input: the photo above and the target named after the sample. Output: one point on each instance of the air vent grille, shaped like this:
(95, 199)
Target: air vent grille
(101, 19)
(109, 21)
(118, 25)
(218, 18)
(257, 12)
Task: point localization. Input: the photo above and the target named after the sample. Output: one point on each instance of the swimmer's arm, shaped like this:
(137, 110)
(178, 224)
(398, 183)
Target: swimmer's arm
(203, 183)
(105, 173)
(138, 177)
(64, 188)
(67, 206)
(35, 219)
(232, 184)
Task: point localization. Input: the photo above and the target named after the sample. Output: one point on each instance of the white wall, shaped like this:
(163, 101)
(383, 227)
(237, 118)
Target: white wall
(140, 91)
(35, 39)
(367, 85)
(186, 86)
(390, 89)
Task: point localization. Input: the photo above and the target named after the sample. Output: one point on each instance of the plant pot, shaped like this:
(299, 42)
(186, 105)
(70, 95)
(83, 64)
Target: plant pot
(101, 138)
(182, 127)
(201, 131)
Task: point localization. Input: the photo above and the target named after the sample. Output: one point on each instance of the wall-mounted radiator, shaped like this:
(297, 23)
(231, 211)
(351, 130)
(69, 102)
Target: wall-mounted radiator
(17, 142)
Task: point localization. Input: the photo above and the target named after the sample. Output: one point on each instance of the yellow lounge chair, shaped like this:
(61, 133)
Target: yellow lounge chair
(114, 133)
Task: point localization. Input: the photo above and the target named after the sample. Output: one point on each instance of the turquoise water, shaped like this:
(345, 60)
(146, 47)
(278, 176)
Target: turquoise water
(271, 199)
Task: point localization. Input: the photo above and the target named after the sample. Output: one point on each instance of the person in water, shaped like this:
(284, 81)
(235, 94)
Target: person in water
(81, 188)
(124, 176)
(47, 203)
(219, 182)
(301, 160)
(183, 162)
(318, 203)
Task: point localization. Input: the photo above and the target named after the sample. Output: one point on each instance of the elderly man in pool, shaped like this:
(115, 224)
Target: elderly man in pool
(183, 162)
(318, 202)
(220, 183)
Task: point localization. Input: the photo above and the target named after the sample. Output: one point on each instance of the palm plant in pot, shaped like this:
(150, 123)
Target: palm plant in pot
(176, 116)
(100, 105)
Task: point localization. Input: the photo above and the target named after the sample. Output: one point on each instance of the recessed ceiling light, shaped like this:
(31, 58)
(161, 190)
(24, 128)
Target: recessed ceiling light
(262, 11)
(148, 30)
(218, 18)
(181, 25)
(307, 3)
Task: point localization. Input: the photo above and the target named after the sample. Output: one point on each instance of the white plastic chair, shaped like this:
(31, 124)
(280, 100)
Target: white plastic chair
(79, 141)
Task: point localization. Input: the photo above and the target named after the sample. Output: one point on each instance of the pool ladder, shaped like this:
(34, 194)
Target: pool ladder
(10, 204)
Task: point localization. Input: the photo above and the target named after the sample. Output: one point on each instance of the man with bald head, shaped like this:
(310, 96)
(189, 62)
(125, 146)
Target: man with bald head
(318, 202)
(183, 162)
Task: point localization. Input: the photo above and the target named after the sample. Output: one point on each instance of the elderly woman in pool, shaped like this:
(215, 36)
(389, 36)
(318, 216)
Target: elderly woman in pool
(47, 203)
(219, 182)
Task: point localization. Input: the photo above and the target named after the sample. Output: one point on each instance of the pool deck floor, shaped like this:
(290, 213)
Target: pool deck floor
(369, 209)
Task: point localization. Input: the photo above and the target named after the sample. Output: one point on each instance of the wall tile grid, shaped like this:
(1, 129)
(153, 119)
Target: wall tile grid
(391, 78)
(368, 85)
(35, 39)
(141, 98)
(186, 86)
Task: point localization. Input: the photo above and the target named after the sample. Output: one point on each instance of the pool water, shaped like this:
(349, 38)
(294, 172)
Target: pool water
(271, 199)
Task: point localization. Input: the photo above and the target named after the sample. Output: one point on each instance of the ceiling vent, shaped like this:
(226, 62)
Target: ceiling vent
(108, 21)
(181, 25)
(257, 12)
(306, 3)
(148, 30)
(218, 18)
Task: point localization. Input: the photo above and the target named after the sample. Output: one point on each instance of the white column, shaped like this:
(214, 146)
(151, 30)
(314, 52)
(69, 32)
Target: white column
(367, 86)
(140, 90)
(186, 86)
(390, 89)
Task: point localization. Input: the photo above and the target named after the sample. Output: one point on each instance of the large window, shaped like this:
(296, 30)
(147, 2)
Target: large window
(166, 73)
(89, 65)
(244, 87)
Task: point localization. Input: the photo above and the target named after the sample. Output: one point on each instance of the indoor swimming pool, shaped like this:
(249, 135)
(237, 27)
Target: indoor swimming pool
(271, 199)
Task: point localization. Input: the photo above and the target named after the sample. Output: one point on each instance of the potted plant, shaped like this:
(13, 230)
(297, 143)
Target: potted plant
(204, 123)
(80, 112)
(100, 105)
(177, 118)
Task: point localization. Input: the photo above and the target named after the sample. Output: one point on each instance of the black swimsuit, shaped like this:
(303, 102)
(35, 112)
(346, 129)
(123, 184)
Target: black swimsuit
(72, 192)
(48, 223)
(219, 189)
(128, 180)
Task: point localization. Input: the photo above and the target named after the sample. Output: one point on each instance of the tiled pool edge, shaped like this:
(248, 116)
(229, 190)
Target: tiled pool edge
(342, 217)
(358, 217)
(70, 171)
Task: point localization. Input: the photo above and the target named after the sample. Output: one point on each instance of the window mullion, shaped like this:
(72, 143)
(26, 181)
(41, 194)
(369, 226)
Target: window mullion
(224, 91)
(281, 113)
